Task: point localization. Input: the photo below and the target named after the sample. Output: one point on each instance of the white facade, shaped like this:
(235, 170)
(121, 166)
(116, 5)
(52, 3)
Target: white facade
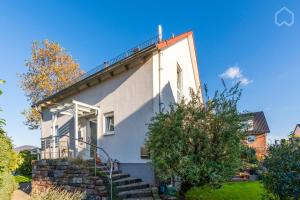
(132, 97)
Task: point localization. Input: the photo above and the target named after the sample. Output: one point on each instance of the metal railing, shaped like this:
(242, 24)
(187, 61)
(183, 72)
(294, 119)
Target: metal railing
(83, 149)
(106, 64)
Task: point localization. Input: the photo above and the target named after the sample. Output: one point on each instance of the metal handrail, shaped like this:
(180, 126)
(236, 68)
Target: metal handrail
(106, 64)
(110, 161)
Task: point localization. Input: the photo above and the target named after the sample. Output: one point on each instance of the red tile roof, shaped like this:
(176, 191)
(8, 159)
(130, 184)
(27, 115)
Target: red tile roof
(173, 40)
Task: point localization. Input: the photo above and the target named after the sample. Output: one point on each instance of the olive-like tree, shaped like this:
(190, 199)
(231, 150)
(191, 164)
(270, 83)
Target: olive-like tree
(199, 142)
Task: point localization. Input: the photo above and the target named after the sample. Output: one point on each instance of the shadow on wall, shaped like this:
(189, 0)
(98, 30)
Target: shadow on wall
(91, 96)
(130, 133)
(109, 86)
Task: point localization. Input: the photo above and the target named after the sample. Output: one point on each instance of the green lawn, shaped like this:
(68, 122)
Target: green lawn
(230, 191)
(22, 179)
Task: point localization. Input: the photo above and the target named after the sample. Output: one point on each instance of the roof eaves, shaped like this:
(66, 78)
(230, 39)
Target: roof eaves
(96, 74)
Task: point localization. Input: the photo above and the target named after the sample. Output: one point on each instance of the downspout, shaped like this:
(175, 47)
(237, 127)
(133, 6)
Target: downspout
(159, 67)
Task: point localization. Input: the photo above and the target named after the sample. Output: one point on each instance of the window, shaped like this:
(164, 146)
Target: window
(56, 136)
(48, 144)
(43, 145)
(179, 83)
(109, 123)
(248, 125)
(251, 138)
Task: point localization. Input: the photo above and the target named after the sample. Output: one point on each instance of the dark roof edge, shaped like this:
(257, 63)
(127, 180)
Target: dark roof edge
(99, 73)
(259, 118)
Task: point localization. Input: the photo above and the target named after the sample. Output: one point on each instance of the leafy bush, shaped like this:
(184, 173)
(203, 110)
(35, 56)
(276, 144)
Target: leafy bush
(7, 186)
(248, 155)
(283, 170)
(22, 179)
(54, 193)
(8, 162)
(25, 168)
(9, 159)
(199, 143)
(249, 159)
(269, 196)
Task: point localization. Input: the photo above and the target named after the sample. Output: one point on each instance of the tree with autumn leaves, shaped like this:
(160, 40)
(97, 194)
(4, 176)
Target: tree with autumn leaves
(49, 70)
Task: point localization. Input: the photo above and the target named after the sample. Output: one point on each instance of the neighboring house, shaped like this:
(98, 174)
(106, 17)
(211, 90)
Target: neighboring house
(111, 105)
(257, 130)
(32, 149)
(296, 132)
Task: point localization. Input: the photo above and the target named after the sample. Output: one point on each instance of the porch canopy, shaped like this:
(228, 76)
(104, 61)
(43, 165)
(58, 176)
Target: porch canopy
(75, 109)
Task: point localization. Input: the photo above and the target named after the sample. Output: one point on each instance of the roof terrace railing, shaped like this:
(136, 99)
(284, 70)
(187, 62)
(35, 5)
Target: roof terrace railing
(122, 56)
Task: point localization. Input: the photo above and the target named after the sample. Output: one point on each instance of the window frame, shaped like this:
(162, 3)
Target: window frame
(105, 116)
(179, 83)
(56, 138)
(253, 137)
(250, 124)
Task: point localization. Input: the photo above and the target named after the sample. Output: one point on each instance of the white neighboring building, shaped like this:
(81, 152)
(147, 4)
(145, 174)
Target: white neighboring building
(110, 107)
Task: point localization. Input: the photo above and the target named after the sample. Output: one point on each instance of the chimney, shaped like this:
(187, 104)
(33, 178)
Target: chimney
(160, 33)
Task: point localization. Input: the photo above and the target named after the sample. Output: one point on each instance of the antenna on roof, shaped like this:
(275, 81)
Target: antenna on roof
(159, 33)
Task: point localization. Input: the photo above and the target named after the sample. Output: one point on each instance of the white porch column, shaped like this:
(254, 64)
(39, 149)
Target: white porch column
(98, 128)
(54, 115)
(76, 128)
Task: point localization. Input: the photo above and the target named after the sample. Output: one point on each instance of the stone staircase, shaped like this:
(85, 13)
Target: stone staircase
(127, 187)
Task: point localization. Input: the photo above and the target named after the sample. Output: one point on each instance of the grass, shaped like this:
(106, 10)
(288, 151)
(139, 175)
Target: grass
(22, 179)
(229, 191)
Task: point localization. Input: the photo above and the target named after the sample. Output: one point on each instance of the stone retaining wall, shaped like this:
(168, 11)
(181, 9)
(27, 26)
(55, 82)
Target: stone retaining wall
(68, 175)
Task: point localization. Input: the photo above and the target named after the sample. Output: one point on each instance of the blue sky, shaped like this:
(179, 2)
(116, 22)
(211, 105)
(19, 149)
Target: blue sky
(238, 34)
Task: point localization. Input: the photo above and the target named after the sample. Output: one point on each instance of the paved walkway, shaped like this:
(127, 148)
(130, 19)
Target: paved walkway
(20, 195)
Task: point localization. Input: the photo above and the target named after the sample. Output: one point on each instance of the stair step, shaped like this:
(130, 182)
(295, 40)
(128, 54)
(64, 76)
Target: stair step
(133, 186)
(119, 176)
(113, 172)
(142, 198)
(136, 193)
(126, 181)
(238, 179)
(102, 168)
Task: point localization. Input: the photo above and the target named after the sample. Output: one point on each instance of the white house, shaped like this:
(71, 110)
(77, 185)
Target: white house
(111, 105)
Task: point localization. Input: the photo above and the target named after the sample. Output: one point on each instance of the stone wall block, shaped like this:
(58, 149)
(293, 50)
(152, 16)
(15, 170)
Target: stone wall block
(68, 175)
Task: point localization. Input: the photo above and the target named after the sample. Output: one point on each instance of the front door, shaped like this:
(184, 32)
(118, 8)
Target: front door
(93, 131)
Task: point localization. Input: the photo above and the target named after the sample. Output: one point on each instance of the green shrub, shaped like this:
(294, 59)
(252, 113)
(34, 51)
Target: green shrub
(199, 143)
(25, 168)
(7, 186)
(55, 193)
(22, 179)
(269, 196)
(8, 162)
(248, 155)
(283, 170)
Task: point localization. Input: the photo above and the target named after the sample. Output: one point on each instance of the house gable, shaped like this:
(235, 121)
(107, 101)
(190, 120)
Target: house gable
(260, 124)
(173, 55)
(189, 36)
(296, 132)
